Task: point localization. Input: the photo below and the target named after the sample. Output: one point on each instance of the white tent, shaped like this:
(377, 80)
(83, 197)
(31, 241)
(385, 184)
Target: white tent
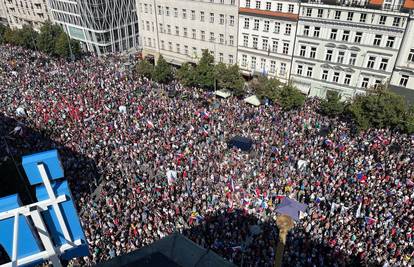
(253, 100)
(223, 93)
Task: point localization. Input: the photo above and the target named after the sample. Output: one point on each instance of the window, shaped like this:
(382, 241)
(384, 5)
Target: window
(201, 15)
(347, 79)
(246, 23)
(272, 66)
(320, 13)
(335, 77)
(184, 13)
(253, 63)
(266, 26)
(277, 27)
(325, 75)
(316, 31)
(265, 44)
(328, 56)
(350, 16)
(282, 71)
(244, 61)
(345, 36)
(274, 46)
(383, 19)
(159, 10)
(371, 62)
(255, 42)
(175, 11)
(358, 37)
(337, 14)
(161, 28)
(341, 56)
(352, 59)
(145, 8)
(290, 10)
(203, 35)
(256, 25)
(302, 52)
(306, 30)
(162, 44)
(279, 7)
(299, 70)
(365, 82)
(333, 34)
(193, 14)
(221, 57)
(309, 72)
(285, 48)
(186, 49)
(170, 46)
(178, 48)
(268, 5)
(221, 38)
(377, 39)
(169, 29)
(383, 64)
(231, 40)
(177, 30)
(211, 17)
(390, 41)
(363, 17)
(247, 3)
(231, 22)
(221, 19)
(313, 52)
(231, 59)
(411, 55)
(263, 64)
(194, 51)
(288, 29)
(185, 32)
(396, 22)
(212, 37)
(258, 4)
(245, 41)
(309, 12)
(404, 80)
(194, 33)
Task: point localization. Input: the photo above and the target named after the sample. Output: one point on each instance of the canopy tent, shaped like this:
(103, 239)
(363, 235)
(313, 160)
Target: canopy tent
(291, 208)
(223, 93)
(240, 142)
(253, 100)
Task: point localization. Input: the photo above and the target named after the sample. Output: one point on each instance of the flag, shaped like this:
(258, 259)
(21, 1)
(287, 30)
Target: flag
(236, 248)
(150, 124)
(361, 177)
(358, 212)
(370, 220)
(230, 184)
(205, 114)
(327, 142)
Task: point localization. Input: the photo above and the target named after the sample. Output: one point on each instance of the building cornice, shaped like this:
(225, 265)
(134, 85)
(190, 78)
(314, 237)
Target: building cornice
(268, 14)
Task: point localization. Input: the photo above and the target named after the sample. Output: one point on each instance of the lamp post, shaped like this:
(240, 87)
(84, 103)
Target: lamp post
(285, 224)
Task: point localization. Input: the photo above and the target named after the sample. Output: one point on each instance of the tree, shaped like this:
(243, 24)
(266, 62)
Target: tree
(229, 77)
(49, 34)
(332, 105)
(265, 88)
(205, 71)
(62, 48)
(145, 69)
(3, 29)
(186, 74)
(11, 37)
(27, 37)
(163, 72)
(289, 97)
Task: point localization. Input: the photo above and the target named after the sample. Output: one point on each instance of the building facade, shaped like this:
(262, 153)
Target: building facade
(102, 26)
(267, 31)
(3, 13)
(180, 30)
(31, 12)
(346, 47)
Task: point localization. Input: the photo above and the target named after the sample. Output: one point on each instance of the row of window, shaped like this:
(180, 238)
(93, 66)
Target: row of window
(268, 6)
(352, 16)
(348, 36)
(266, 26)
(266, 46)
(281, 70)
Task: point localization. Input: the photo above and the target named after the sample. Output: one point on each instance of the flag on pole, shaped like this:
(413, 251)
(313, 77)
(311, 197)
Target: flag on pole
(358, 212)
(370, 220)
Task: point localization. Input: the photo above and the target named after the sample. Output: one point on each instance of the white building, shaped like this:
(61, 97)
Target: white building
(403, 76)
(32, 12)
(102, 26)
(346, 46)
(180, 29)
(266, 37)
(3, 13)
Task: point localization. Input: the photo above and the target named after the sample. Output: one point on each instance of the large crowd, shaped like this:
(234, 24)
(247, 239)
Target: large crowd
(145, 160)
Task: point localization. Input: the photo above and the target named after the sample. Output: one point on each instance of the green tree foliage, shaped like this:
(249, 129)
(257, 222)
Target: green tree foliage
(332, 105)
(27, 37)
(204, 75)
(144, 69)
(380, 108)
(229, 77)
(289, 97)
(266, 88)
(163, 72)
(49, 34)
(3, 29)
(186, 74)
(11, 37)
(62, 48)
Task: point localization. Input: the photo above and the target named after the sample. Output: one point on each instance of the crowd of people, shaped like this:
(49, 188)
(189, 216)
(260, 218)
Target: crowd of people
(144, 162)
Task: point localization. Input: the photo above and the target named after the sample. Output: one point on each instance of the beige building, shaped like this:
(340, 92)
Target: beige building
(20, 12)
(179, 30)
(3, 14)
